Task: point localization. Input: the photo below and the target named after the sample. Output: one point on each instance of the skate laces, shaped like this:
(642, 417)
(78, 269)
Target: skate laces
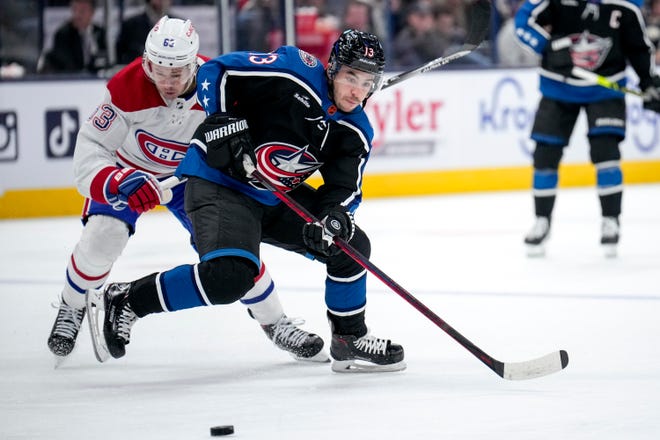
(285, 330)
(68, 320)
(371, 344)
(125, 321)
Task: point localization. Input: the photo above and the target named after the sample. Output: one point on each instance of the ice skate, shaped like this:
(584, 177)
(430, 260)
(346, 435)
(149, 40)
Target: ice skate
(365, 354)
(118, 318)
(537, 236)
(65, 330)
(301, 345)
(609, 239)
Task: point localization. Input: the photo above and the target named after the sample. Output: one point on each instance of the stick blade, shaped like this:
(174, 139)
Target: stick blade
(543, 366)
(478, 19)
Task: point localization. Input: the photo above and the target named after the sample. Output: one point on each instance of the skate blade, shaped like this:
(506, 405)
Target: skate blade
(356, 366)
(320, 357)
(535, 250)
(610, 250)
(94, 308)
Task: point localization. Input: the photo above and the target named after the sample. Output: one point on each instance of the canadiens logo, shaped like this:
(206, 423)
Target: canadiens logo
(161, 151)
(589, 51)
(286, 166)
(309, 60)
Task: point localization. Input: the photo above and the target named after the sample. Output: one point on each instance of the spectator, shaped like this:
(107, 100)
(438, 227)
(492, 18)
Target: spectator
(419, 41)
(78, 45)
(653, 27)
(357, 15)
(19, 42)
(452, 22)
(510, 53)
(257, 26)
(134, 30)
(365, 15)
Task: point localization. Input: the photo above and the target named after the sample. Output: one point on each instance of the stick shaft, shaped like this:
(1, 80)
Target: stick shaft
(488, 360)
(603, 82)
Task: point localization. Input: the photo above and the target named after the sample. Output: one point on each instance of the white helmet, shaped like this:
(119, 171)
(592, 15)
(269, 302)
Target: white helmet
(172, 43)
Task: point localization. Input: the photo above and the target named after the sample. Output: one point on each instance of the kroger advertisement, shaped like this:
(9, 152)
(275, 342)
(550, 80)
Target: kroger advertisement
(480, 119)
(447, 120)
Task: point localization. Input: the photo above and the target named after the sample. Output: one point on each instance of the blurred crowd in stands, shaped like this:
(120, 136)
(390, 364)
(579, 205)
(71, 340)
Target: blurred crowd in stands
(413, 31)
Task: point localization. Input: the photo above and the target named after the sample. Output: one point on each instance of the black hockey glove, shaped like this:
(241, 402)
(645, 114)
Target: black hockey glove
(318, 237)
(558, 56)
(225, 141)
(652, 95)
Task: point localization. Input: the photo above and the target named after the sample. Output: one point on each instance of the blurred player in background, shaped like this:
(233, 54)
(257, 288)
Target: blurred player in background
(602, 37)
(139, 133)
(291, 117)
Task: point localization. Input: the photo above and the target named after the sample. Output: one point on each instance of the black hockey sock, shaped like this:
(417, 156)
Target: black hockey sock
(543, 206)
(348, 325)
(611, 204)
(143, 296)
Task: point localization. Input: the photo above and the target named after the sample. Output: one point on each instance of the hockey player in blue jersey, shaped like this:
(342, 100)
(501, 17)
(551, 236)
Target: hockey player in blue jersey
(292, 117)
(602, 37)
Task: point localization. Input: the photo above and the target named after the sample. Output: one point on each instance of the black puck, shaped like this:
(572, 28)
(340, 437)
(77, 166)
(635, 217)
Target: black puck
(222, 430)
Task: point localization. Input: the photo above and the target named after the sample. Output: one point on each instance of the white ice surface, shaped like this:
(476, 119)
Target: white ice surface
(462, 256)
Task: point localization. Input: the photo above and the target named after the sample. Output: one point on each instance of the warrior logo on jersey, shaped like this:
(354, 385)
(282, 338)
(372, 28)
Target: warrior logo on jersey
(286, 166)
(161, 151)
(309, 60)
(588, 51)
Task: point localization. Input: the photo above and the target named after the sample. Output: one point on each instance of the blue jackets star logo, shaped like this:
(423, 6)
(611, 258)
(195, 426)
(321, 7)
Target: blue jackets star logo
(285, 165)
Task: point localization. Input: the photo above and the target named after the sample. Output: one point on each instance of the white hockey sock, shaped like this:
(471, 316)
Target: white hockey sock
(102, 241)
(263, 300)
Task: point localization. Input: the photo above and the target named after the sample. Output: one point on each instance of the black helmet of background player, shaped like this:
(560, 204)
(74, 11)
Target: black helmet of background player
(358, 50)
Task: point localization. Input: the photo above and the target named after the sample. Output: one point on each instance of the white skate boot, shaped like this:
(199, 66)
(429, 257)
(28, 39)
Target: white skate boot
(537, 236)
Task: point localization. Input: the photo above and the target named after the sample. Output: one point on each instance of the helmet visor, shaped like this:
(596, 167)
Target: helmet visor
(367, 82)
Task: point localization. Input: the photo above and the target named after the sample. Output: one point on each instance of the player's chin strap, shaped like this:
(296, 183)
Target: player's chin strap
(550, 363)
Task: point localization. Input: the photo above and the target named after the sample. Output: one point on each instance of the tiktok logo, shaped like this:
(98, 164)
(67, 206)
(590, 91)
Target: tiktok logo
(61, 131)
(8, 136)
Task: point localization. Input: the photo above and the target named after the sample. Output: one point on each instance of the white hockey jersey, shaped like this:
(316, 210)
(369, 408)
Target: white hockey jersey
(135, 127)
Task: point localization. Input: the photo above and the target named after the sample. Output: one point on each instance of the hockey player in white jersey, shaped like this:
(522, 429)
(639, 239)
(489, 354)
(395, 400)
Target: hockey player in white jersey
(137, 135)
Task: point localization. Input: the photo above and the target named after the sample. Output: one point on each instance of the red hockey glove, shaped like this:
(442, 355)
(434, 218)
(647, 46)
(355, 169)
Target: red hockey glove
(124, 187)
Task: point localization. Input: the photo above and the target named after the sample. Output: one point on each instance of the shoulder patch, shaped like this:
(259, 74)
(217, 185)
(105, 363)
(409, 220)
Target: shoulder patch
(308, 59)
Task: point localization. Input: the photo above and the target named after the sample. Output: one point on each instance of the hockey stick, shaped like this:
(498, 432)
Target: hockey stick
(478, 29)
(166, 188)
(603, 82)
(548, 364)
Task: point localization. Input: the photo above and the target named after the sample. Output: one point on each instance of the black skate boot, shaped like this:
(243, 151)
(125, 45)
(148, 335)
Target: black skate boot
(65, 330)
(119, 318)
(376, 354)
(367, 353)
(609, 238)
(537, 236)
(301, 345)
